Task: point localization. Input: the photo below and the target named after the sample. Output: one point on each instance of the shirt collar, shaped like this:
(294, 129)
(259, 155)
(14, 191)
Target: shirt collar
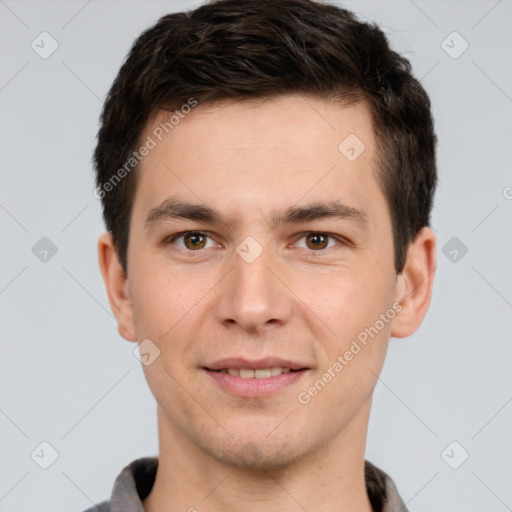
(135, 481)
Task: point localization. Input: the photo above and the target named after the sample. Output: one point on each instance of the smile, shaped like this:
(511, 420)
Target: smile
(254, 379)
(247, 373)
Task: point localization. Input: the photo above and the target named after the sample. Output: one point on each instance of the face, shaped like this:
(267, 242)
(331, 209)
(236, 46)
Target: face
(259, 253)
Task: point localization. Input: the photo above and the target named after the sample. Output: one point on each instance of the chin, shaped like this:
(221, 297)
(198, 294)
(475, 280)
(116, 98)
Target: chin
(260, 453)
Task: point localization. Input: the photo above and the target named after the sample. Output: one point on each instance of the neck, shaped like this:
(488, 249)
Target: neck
(330, 479)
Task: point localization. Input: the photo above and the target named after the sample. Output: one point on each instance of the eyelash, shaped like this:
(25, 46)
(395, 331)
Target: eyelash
(340, 240)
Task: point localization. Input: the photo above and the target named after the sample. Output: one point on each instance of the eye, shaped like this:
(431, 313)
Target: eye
(191, 240)
(318, 241)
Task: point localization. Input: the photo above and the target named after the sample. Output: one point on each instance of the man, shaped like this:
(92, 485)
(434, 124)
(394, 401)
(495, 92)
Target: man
(266, 171)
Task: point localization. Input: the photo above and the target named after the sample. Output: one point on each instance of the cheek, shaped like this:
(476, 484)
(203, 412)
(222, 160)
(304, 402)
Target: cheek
(350, 367)
(162, 298)
(351, 299)
(167, 308)
(358, 310)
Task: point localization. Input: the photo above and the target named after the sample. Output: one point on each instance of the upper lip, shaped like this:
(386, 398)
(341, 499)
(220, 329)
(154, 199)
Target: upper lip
(255, 364)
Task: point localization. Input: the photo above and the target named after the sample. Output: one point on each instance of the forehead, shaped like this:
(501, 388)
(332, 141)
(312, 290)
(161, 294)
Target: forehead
(294, 123)
(260, 153)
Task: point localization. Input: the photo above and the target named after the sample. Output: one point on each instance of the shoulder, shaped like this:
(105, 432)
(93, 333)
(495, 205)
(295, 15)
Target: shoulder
(382, 491)
(131, 487)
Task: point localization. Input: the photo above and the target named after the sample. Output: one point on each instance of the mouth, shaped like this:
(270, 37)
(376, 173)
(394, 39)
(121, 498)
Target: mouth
(262, 373)
(255, 379)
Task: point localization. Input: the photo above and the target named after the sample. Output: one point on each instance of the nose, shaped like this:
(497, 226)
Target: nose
(252, 296)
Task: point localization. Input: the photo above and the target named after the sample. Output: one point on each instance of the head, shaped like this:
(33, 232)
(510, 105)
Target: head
(299, 150)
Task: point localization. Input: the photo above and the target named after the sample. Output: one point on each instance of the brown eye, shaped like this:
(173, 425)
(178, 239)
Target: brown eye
(194, 241)
(317, 241)
(191, 241)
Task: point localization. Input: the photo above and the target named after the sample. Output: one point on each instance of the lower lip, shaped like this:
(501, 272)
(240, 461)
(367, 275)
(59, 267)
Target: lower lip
(255, 388)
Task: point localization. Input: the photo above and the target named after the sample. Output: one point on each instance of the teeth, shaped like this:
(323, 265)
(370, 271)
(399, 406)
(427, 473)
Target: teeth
(247, 373)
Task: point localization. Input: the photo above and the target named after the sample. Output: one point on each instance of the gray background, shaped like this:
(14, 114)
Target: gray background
(67, 377)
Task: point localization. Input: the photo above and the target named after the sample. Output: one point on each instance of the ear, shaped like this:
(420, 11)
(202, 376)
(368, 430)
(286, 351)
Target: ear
(116, 284)
(414, 285)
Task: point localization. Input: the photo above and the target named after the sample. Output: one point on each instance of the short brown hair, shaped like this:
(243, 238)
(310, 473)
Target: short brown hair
(250, 49)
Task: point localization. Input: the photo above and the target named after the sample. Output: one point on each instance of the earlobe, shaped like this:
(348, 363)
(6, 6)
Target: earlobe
(414, 286)
(116, 284)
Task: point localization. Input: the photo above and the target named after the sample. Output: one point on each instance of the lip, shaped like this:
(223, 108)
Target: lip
(253, 387)
(256, 364)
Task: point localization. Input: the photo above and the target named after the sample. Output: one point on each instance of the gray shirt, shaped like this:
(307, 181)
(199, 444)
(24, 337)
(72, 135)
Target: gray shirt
(135, 481)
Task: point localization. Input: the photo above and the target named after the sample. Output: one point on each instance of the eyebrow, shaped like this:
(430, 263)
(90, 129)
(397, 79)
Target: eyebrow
(176, 209)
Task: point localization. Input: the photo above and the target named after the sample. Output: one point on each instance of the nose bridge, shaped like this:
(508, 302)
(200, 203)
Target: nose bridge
(252, 296)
